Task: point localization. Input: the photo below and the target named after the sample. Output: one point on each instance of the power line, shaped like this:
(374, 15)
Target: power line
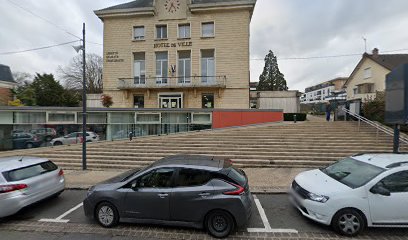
(44, 19)
(323, 57)
(39, 48)
(48, 21)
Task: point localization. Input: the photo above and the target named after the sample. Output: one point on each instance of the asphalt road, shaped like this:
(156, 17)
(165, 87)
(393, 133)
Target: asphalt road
(280, 215)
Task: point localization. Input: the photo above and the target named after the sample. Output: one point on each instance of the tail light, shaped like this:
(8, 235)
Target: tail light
(35, 138)
(61, 172)
(12, 188)
(238, 191)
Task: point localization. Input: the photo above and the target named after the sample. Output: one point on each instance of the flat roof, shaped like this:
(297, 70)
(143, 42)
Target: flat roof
(79, 109)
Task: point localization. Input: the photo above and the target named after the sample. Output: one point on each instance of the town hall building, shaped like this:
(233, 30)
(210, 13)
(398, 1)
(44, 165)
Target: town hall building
(177, 53)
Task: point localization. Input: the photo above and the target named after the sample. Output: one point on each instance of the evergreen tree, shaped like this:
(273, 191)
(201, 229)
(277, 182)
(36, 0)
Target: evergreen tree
(271, 78)
(48, 92)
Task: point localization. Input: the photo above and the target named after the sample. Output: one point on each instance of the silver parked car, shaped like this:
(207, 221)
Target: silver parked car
(74, 138)
(193, 191)
(27, 180)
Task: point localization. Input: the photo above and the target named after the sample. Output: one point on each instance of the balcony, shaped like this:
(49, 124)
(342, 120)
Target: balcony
(173, 82)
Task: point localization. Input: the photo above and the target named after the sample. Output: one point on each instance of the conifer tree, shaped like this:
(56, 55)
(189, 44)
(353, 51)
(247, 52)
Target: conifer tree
(271, 78)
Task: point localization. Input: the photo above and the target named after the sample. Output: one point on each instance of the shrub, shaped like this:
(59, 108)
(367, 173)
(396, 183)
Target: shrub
(290, 116)
(374, 109)
(106, 100)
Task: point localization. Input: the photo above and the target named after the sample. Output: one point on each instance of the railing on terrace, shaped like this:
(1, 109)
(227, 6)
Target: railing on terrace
(378, 126)
(173, 82)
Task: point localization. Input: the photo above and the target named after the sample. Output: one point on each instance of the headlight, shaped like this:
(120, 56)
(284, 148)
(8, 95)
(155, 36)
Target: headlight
(318, 198)
(90, 190)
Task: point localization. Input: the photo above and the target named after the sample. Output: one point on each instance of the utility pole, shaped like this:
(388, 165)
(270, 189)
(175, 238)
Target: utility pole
(83, 101)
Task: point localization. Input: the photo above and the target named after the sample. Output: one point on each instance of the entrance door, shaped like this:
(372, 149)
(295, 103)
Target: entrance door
(170, 101)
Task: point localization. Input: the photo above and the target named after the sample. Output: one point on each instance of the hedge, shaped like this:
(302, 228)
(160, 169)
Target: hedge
(299, 116)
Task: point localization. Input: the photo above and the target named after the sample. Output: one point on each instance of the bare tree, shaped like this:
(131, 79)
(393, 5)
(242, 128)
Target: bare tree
(21, 78)
(72, 74)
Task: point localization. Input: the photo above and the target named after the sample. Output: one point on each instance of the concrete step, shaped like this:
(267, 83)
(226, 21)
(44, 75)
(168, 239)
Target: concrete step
(269, 152)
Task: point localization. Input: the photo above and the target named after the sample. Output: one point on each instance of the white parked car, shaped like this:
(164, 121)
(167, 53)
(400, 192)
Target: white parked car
(365, 190)
(27, 180)
(74, 138)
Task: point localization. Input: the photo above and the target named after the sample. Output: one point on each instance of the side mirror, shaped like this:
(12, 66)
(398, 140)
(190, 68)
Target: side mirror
(380, 190)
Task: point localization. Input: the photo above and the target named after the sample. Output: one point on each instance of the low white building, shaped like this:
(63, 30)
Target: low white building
(324, 92)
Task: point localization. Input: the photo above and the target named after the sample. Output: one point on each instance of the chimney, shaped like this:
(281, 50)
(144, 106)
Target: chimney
(375, 52)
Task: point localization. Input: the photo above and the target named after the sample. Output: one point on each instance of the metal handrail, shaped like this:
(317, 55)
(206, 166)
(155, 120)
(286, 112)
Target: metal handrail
(376, 125)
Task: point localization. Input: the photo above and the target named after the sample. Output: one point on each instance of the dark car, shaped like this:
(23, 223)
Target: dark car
(25, 140)
(46, 134)
(192, 191)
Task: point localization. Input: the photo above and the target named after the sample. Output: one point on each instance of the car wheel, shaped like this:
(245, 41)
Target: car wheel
(29, 145)
(57, 143)
(348, 222)
(107, 215)
(219, 223)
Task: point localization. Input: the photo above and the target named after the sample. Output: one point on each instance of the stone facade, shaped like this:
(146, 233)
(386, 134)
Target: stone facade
(229, 47)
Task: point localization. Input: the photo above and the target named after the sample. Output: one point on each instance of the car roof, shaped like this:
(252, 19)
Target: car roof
(383, 160)
(16, 162)
(191, 160)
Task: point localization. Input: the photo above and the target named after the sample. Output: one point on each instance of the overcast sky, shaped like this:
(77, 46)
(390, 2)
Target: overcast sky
(290, 28)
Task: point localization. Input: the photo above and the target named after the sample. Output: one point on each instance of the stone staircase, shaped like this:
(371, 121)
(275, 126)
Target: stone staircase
(304, 144)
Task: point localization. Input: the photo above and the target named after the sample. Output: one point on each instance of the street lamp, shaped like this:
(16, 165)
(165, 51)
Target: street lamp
(77, 49)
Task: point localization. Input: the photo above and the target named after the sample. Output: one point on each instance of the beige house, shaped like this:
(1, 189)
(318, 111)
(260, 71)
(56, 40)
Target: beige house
(368, 77)
(177, 53)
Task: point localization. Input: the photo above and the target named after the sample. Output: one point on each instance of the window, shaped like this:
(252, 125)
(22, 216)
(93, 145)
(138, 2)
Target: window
(184, 67)
(148, 118)
(160, 178)
(192, 177)
(61, 117)
(207, 29)
(139, 33)
(161, 67)
(355, 91)
(367, 73)
(397, 182)
(161, 32)
(207, 66)
(201, 118)
(139, 68)
(184, 30)
(29, 172)
(352, 173)
(138, 101)
(207, 100)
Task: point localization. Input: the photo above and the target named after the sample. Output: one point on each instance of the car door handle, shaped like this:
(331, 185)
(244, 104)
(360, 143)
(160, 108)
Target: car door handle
(204, 194)
(163, 195)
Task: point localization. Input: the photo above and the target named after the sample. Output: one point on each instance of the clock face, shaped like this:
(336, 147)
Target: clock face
(172, 5)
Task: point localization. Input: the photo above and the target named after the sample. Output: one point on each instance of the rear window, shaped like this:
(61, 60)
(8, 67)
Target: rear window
(29, 172)
(238, 176)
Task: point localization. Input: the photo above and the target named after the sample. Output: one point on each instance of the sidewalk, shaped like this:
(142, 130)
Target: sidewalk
(261, 180)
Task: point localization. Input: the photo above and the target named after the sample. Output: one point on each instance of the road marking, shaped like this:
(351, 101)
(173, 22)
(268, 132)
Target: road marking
(265, 222)
(60, 219)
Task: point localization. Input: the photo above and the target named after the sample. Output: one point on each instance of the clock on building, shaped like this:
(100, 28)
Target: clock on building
(172, 5)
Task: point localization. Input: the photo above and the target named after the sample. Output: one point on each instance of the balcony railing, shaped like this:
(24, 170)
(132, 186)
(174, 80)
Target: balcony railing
(173, 82)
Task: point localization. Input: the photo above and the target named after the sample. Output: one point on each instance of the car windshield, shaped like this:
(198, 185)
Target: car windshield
(351, 172)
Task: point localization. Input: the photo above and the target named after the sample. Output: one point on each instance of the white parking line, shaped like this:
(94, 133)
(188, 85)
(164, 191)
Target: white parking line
(265, 221)
(60, 219)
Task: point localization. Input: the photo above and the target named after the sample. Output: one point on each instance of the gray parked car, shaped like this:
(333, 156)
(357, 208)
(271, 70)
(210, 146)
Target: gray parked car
(27, 180)
(193, 191)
